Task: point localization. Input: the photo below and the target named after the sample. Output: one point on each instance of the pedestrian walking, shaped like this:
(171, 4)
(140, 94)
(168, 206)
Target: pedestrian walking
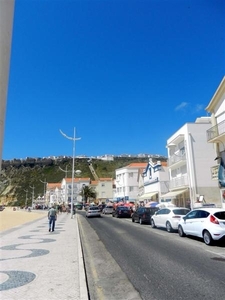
(52, 216)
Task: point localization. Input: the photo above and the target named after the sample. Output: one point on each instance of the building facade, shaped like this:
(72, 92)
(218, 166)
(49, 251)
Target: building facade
(103, 188)
(155, 181)
(126, 182)
(190, 157)
(66, 189)
(216, 137)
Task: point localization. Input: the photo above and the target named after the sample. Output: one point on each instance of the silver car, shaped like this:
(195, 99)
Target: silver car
(93, 211)
(107, 210)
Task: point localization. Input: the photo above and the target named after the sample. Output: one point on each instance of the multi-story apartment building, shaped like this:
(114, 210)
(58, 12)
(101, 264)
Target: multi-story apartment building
(155, 181)
(189, 161)
(103, 188)
(66, 186)
(127, 185)
(53, 193)
(216, 136)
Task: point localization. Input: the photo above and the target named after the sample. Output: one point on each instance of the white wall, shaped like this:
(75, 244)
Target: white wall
(6, 24)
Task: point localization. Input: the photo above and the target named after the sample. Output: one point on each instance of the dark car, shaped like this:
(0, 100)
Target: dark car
(2, 207)
(144, 214)
(122, 212)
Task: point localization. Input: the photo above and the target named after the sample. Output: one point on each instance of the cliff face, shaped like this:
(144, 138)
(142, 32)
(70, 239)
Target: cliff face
(19, 178)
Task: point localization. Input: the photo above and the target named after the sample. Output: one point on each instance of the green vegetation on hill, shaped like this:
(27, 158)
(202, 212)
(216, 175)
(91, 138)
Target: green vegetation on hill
(18, 177)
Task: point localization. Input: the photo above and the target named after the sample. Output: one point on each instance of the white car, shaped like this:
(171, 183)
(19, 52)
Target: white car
(107, 210)
(168, 217)
(93, 211)
(206, 223)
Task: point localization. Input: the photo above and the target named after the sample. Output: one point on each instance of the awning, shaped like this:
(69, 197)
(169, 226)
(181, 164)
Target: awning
(148, 195)
(173, 194)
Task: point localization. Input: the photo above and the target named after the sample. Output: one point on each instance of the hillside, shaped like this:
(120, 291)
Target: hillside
(17, 177)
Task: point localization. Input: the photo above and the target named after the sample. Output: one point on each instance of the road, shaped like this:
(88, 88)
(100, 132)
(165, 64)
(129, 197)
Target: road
(157, 265)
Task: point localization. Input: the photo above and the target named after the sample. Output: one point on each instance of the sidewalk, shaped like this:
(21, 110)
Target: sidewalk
(38, 265)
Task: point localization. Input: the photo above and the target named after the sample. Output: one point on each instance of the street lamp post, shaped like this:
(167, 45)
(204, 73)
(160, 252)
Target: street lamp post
(45, 183)
(26, 197)
(74, 139)
(65, 171)
(32, 187)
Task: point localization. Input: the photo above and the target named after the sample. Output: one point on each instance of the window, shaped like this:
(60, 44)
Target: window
(220, 215)
(131, 188)
(131, 174)
(192, 215)
(202, 214)
(103, 184)
(180, 211)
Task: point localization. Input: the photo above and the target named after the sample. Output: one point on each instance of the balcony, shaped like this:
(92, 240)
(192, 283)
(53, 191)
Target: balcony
(216, 133)
(177, 159)
(179, 182)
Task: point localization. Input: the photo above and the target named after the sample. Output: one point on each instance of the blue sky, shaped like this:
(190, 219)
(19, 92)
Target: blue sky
(126, 74)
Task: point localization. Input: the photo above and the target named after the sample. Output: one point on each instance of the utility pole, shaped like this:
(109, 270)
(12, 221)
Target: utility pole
(32, 187)
(74, 139)
(26, 197)
(45, 183)
(65, 171)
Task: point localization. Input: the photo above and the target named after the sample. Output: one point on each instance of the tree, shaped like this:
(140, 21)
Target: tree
(88, 193)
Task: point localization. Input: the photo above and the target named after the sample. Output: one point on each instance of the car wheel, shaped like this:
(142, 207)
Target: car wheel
(169, 227)
(207, 238)
(181, 231)
(140, 221)
(153, 224)
(132, 219)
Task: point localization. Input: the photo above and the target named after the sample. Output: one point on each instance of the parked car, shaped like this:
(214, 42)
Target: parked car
(107, 210)
(144, 214)
(169, 217)
(2, 207)
(122, 212)
(93, 211)
(101, 207)
(206, 223)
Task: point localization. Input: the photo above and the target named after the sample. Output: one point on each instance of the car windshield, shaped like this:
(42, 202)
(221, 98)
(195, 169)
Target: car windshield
(123, 208)
(93, 208)
(181, 211)
(220, 215)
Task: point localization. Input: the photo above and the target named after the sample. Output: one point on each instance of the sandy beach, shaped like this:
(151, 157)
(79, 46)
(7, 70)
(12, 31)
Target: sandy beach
(10, 218)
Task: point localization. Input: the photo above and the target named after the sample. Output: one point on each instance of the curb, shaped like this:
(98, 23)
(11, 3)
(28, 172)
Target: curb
(82, 276)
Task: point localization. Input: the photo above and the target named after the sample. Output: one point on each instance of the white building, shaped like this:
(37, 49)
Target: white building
(66, 187)
(53, 194)
(127, 185)
(190, 158)
(155, 178)
(216, 136)
(103, 188)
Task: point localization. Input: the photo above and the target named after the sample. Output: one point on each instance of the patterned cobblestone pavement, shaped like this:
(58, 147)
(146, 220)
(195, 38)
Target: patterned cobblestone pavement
(36, 264)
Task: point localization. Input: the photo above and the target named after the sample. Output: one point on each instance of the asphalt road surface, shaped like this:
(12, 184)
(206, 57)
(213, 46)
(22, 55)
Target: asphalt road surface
(126, 260)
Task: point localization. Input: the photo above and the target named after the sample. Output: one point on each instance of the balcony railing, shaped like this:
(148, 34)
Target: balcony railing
(176, 158)
(179, 182)
(216, 131)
